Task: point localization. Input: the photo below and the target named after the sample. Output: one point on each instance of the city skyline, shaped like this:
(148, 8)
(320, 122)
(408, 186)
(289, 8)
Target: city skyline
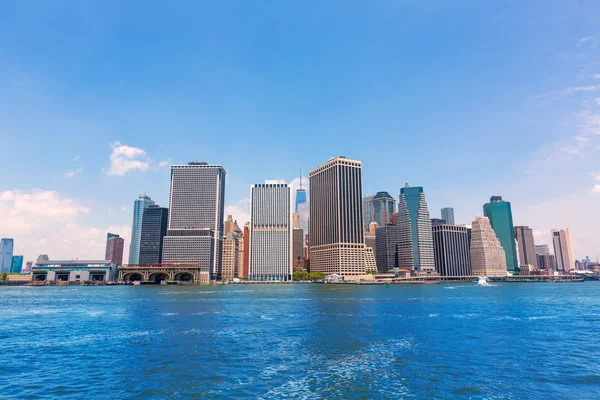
(110, 117)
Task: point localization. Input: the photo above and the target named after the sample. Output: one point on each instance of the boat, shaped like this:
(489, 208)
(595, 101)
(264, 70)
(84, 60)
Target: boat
(483, 281)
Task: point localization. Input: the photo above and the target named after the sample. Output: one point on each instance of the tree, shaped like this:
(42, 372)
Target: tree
(3, 276)
(300, 276)
(370, 272)
(316, 276)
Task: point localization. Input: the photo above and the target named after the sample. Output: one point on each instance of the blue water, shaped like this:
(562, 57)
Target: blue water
(508, 341)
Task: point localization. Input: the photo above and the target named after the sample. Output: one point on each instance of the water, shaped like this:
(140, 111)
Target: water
(459, 341)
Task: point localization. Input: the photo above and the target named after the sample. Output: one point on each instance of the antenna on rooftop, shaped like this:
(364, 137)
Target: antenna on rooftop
(301, 178)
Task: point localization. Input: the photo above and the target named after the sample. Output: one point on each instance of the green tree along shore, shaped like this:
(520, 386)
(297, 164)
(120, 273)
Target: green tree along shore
(305, 276)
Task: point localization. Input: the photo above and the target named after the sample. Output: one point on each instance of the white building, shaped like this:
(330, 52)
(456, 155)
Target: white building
(270, 231)
(72, 270)
(563, 251)
(487, 254)
(195, 233)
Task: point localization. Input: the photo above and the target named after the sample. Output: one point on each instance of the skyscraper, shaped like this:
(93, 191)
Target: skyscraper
(487, 255)
(384, 206)
(448, 215)
(246, 260)
(393, 248)
(413, 216)
(196, 206)
(298, 244)
(300, 195)
(368, 211)
(115, 249)
(6, 254)
(17, 264)
(563, 251)
(271, 231)
(230, 257)
(154, 228)
(545, 260)
(139, 205)
(229, 226)
(500, 215)
(526, 247)
(452, 250)
(337, 244)
(108, 237)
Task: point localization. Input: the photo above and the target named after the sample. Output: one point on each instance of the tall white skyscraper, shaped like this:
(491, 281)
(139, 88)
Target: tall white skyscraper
(563, 251)
(196, 206)
(271, 231)
(139, 205)
(487, 254)
(337, 243)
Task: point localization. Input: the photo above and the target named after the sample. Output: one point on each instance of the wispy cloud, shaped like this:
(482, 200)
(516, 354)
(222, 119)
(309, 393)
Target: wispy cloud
(597, 76)
(576, 89)
(584, 39)
(76, 159)
(124, 159)
(70, 174)
(165, 163)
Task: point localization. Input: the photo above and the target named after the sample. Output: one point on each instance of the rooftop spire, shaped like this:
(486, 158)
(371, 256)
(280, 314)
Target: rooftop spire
(300, 178)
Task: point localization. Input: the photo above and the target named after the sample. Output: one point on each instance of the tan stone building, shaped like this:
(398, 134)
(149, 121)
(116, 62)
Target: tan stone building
(487, 254)
(230, 257)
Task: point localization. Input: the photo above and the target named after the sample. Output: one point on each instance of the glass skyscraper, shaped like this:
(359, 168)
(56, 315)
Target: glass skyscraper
(6, 254)
(17, 264)
(413, 212)
(384, 206)
(500, 215)
(448, 215)
(139, 206)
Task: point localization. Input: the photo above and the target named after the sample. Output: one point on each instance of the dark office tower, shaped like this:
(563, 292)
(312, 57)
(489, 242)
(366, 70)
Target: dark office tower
(298, 244)
(196, 206)
(500, 215)
(527, 254)
(448, 215)
(108, 237)
(386, 242)
(437, 221)
(452, 253)
(115, 250)
(155, 221)
(384, 206)
(337, 243)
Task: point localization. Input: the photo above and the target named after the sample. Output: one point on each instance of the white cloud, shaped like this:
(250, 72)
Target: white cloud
(76, 159)
(43, 222)
(576, 89)
(240, 212)
(597, 76)
(165, 163)
(597, 100)
(124, 159)
(70, 174)
(584, 39)
(596, 189)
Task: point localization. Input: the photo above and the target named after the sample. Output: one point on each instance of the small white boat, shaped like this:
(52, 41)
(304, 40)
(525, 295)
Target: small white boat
(483, 281)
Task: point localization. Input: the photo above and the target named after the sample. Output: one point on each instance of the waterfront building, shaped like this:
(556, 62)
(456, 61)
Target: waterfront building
(448, 215)
(139, 205)
(28, 266)
(452, 250)
(526, 246)
(563, 251)
(298, 244)
(371, 241)
(271, 231)
(17, 265)
(246, 263)
(240, 266)
(368, 211)
(72, 270)
(108, 237)
(384, 206)
(413, 217)
(115, 250)
(370, 264)
(196, 207)
(230, 257)
(337, 244)
(499, 213)
(488, 257)
(155, 222)
(386, 242)
(6, 254)
(546, 261)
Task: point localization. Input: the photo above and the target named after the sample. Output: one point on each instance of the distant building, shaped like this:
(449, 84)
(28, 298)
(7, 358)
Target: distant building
(271, 231)
(230, 257)
(298, 244)
(196, 208)
(393, 248)
(542, 249)
(6, 254)
(437, 221)
(371, 241)
(17, 265)
(155, 222)
(370, 264)
(115, 250)
(296, 221)
(73, 270)
(452, 250)
(300, 196)
(108, 237)
(240, 267)
(546, 261)
(448, 215)
(229, 226)
(500, 215)
(413, 216)
(368, 211)
(246, 263)
(487, 255)
(384, 206)
(394, 218)
(139, 205)
(563, 251)
(526, 246)
(28, 266)
(337, 244)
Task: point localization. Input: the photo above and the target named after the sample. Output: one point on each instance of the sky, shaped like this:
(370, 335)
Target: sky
(466, 98)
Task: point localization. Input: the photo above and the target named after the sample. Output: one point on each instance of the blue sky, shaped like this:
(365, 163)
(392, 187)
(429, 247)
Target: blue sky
(466, 98)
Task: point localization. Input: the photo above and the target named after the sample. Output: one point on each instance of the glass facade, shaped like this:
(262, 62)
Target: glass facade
(412, 206)
(500, 215)
(300, 198)
(17, 264)
(6, 254)
(139, 206)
